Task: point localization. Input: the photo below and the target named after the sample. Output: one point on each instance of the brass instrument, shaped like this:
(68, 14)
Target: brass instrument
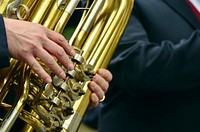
(60, 106)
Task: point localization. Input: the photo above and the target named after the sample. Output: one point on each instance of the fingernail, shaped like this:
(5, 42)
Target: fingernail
(101, 72)
(73, 52)
(92, 84)
(71, 67)
(62, 75)
(95, 77)
(48, 80)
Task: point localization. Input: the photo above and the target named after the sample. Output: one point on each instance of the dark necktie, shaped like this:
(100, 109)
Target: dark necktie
(195, 6)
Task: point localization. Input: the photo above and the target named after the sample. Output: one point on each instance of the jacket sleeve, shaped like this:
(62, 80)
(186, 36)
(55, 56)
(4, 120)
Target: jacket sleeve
(4, 55)
(140, 66)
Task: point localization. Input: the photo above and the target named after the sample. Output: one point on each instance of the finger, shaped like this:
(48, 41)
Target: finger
(99, 80)
(51, 63)
(96, 89)
(61, 55)
(37, 68)
(94, 101)
(105, 74)
(60, 40)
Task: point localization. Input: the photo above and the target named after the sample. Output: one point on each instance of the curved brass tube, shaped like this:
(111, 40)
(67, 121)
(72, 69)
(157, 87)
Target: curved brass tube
(60, 105)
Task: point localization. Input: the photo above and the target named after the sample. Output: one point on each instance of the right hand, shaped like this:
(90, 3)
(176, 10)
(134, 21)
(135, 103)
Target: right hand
(98, 86)
(27, 41)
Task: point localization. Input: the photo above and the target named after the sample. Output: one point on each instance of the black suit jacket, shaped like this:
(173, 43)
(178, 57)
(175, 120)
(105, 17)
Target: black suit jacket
(4, 56)
(156, 72)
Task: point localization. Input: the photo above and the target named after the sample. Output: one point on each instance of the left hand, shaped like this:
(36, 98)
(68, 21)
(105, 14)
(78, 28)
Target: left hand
(99, 85)
(28, 41)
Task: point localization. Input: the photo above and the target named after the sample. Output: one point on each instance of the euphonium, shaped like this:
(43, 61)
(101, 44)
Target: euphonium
(60, 106)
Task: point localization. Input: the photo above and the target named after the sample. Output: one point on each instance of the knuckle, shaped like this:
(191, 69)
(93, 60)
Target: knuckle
(40, 27)
(35, 67)
(24, 51)
(60, 51)
(40, 36)
(92, 86)
(50, 61)
(109, 75)
(34, 46)
(38, 70)
(61, 38)
(23, 54)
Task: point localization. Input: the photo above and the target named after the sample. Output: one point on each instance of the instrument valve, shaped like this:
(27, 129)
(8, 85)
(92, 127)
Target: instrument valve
(56, 101)
(78, 59)
(68, 111)
(64, 86)
(57, 81)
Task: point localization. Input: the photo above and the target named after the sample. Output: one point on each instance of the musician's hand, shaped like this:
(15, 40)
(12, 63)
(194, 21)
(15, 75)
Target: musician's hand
(99, 85)
(28, 41)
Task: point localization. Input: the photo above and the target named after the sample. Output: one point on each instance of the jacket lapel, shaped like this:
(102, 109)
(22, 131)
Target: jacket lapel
(181, 7)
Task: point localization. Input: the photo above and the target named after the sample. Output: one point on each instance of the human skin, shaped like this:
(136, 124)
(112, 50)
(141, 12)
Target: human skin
(29, 41)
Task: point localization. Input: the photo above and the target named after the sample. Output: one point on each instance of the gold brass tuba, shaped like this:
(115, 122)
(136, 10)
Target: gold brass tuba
(60, 106)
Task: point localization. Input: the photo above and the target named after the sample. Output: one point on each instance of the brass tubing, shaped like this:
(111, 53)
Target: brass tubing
(81, 105)
(53, 16)
(3, 6)
(116, 34)
(30, 4)
(13, 114)
(41, 9)
(120, 25)
(66, 16)
(32, 121)
(81, 32)
(8, 80)
(95, 38)
(100, 28)
(6, 73)
(95, 57)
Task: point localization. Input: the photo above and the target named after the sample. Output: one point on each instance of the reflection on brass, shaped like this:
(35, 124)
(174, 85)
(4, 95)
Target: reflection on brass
(60, 105)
